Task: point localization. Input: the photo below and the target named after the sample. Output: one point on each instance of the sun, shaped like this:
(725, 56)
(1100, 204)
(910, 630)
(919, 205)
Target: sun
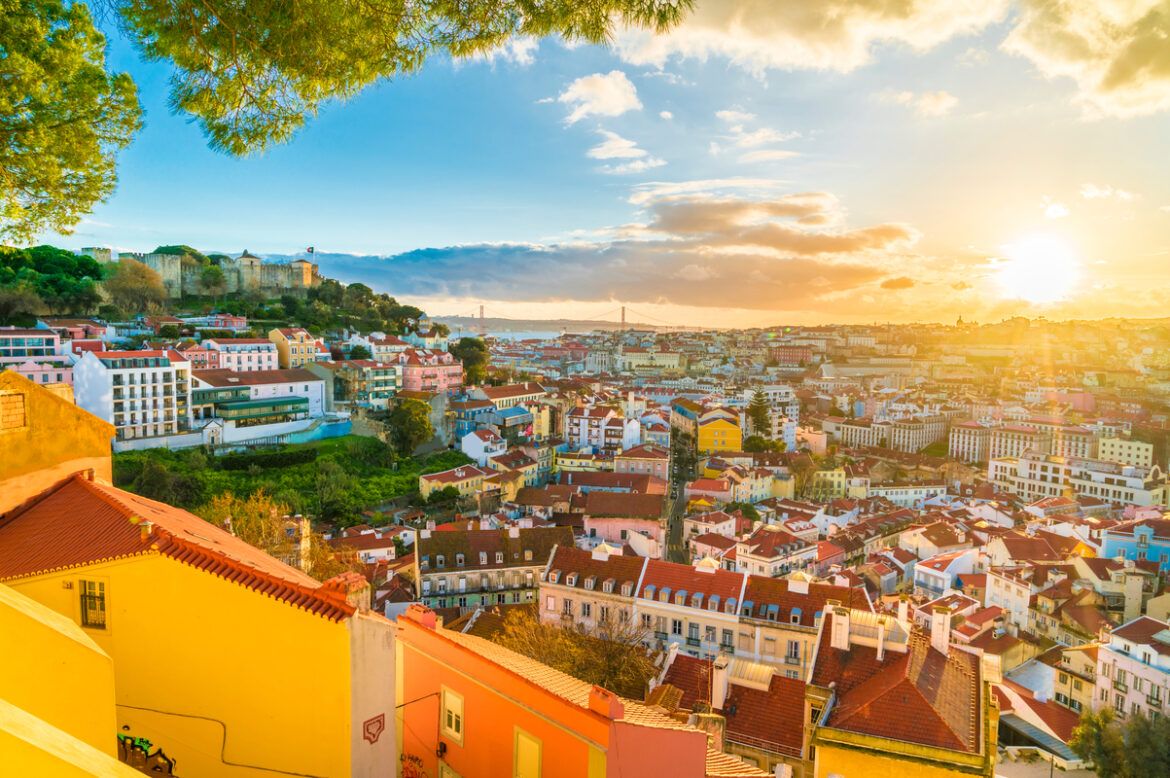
(1038, 269)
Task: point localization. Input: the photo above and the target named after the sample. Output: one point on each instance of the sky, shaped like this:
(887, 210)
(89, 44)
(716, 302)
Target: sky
(765, 163)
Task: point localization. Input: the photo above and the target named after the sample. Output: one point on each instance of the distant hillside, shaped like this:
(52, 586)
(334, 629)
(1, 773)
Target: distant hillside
(540, 325)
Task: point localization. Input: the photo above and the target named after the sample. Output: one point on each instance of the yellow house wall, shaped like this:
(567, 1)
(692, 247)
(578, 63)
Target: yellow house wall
(56, 440)
(52, 670)
(730, 439)
(187, 644)
(30, 746)
(847, 763)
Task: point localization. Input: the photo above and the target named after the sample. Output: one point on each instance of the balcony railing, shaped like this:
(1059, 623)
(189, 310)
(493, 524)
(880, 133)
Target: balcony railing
(1121, 686)
(692, 642)
(1154, 702)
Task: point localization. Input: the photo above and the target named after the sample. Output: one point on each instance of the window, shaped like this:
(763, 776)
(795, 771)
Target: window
(550, 603)
(793, 651)
(499, 557)
(675, 627)
(604, 614)
(709, 634)
(483, 557)
(452, 722)
(567, 607)
(527, 749)
(586, 610)
(93, 604)
(645, 621)
(769, 646)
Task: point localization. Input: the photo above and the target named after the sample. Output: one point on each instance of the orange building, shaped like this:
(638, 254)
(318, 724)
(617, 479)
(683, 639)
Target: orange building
(468, 707)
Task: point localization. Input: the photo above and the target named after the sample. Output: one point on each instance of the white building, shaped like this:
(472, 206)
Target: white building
(1036, 475)
(970, 441)
(1126, 451)
(1133, 668)
(244, 354)
(600, 429)
(482, 445)
(144, 394)
(259, 397)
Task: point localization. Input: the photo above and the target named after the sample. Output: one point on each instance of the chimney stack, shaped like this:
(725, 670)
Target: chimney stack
(904, 610)
(719, 682)
(839, 624)
(881, 638)
(940, 629)
(606, 703)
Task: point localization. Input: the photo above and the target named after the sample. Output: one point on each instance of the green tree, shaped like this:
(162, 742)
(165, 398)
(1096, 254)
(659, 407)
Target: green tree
(333, 491)
(19, 299)
(444, 496)
(62, 116)
(410, 425)
(746, 508)
(1099, 741)
(360, 352)
(252, 73)
(609, 654)
(758, 414)
(134, 287)
(473, 353)
(212, 281)
(169, 331)
(756, 443)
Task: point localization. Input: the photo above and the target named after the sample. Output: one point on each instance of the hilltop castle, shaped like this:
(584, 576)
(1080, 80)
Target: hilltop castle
(247, 272)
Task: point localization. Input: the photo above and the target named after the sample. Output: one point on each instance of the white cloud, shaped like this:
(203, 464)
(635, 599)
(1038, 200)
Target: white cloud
(767, 155)
(734, 117)
(757, 35)
(973, 56)
(615, 147)
(927, 104)
(1116, 51)
(1053, 209)
(1095, 192)
(665, 115)
(1165, 209)
(636, 166)
(601, 94)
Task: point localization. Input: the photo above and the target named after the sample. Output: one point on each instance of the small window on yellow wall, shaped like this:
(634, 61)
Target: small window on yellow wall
(527, 762)
(452, 721)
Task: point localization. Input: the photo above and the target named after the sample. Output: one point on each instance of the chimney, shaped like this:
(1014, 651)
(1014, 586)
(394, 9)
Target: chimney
(881, 638)
(430, 525)
(903, 610)
(145, 528)
(940, 629)
(839, 624)
(513, 532)
(606, 703)
(1133, 596)
(719, 682)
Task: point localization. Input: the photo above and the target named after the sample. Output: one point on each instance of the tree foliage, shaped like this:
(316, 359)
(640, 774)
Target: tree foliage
(359, 352)
(1138, 747)
(62, 117)
(610, 655)
(410, 425)
(63, 282)
(473, 353)
(758, 414)
(753, 443)
(252, 73)
(135, 288)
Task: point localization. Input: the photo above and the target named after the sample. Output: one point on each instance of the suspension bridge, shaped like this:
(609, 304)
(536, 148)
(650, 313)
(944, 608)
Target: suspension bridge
(624, 316)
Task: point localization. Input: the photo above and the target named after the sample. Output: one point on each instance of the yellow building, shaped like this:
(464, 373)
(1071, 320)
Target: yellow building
(719, 430)
(44, 438)
(295, 347)
(231, 662)
(56, 696)
(582, 462)
(466, 479)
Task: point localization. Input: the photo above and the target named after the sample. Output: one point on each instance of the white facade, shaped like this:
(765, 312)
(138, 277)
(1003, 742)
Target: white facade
(1126, 451)
(1133, 668)
(144, 394)
(1033, 476)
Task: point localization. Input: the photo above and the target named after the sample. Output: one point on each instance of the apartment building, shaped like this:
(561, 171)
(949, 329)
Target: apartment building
(429, 371)
(1014, 440)
(599, 428)
(646, 459)
(256, 397)
(1147, 539)
(1034, 475)
(243, 354)
(144, 394)
(295, 347)
(1126, 451)
(970, 441)
(466, 568)
(36, 354)
(1133, 668)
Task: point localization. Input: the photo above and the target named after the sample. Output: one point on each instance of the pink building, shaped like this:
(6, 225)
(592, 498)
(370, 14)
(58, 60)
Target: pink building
(244, 355)
(201, 357)
(648, 459)
(60, 372)
(227, 321)
(76, 329)
(36, 354)
(424, 370)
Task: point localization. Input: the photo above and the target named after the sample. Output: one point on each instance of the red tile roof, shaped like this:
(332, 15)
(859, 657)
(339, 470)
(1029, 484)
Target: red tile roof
(773, 719)
(621, 569)
(920, 696)
(80, 522)
(685, 578)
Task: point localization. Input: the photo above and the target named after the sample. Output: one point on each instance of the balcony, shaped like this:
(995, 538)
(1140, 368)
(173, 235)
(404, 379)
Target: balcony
(693, 642)
(1154, 702)
(1121, 686)
(792, 660)
(660, 636)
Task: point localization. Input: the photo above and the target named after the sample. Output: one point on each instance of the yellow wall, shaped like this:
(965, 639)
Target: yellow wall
(467, 487)
(55, 672)
(848, 763)
(184, 641)
(30, 746)
(56, 440)
(720, 435)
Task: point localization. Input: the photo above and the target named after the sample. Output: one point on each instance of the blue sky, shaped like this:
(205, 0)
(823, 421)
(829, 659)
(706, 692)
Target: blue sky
(933, 149)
